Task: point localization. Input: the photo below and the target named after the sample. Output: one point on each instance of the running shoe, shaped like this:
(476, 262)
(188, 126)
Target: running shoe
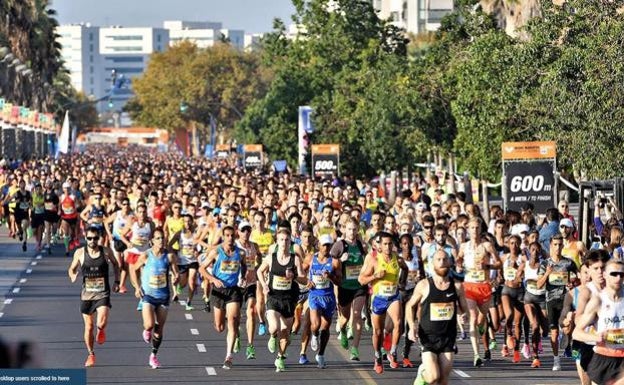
(101, 336)
(237, 345)
(505, 351)
(478, 362)
(320, 361)
(147, 336)
(526, 351)
(123, 290)
(355, 354)
(314, 343)
(487, 355)
(516, 356)
(407, 363)
(378, 366)
(227, 364)
(90, 360)
(272, 345)
(536, 363)
(349, 332)
(387, 341)
(344, 340)
(153, 361)
(207, 308)
(394, 364)
(420, 380)
(463, 335)
(280, 365)
(251, 352)
(493, 345)
(303, 359)
(556, 364)
(189, 307)
(262, 329)
(481, 329)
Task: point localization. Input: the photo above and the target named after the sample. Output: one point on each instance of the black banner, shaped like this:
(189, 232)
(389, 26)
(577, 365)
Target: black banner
(325, 164)
(252, 160)
(530, 182)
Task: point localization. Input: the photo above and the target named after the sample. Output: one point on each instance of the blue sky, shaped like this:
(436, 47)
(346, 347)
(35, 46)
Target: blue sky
(251, 15)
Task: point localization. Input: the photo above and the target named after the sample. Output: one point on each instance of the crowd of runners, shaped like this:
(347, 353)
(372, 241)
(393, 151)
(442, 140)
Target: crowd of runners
(303, 257)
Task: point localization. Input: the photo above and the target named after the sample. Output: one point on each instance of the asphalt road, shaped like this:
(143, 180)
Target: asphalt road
(41, 304)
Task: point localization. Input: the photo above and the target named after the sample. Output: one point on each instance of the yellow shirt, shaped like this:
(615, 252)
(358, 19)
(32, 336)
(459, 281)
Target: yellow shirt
(388, 285)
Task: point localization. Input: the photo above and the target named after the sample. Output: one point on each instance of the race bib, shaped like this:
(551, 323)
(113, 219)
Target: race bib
(510, 274)
(320, 282)
(532, 285)
(229, 267)
(615, 336)
(139, 241)
(49, 206)
(281, 283)
(353, 272)
(187, 250)
(558, 278)
(94, 285)
(68, 210)
(443, 311)
(24, 205)
(475, 276)
(39, 210)
(387, 289)
(158, 281)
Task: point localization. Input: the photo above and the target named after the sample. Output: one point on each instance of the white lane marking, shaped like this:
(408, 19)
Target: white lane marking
(28, 271)
(461, 373)
(23, 280)
(211, 371)
(33, 263)
(8, 301)
(182, 303)
(201, 348)
(39, 257)
(188, 316)
(16, 290)
(195, 332)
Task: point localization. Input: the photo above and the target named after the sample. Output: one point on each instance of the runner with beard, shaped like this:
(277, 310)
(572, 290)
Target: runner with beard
(437, 296)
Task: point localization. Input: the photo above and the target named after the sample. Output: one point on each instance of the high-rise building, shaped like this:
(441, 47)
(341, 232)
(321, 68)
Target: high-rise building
(127, 51)
(81, 53)
(203, 33)
(415, 16)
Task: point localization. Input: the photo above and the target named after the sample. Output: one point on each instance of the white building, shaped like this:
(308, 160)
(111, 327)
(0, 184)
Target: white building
(203, 33)
(127, 51)
(415, 16)
(252, 41)
(81, 54)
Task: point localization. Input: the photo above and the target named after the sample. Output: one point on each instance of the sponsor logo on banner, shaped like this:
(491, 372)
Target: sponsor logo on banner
(252, 158)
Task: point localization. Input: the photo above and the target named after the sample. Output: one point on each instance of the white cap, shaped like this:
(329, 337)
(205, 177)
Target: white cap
(243, 224)
(566, 222)
(66, 185)
(519, 228)
(325, 239)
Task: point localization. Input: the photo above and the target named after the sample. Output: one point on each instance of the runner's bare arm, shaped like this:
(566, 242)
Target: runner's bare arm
(203, 269)
(261, 274)
(459, 287)
(421, 291)
(75, 264)
(587, 319)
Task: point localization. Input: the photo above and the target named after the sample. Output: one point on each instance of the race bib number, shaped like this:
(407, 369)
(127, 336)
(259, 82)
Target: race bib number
(615, 336)
(387, 289)
(24, 205)
(558, 278)
(68, 210)
(39, 210)
(139, 241)
(532, 285)
(475, 276)
(49, 206)
(353, 272)
(510, 274)
(229, 267)
(187, 250)
(158, 281)
(320, 282)
(281, 283)
(442, 311)
(94, 285)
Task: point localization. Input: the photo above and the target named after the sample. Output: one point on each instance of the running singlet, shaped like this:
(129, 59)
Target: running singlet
(472, 264)
(530, 280)
(118, 223)
(412, 273)
(227, 269)
(263, 240)
(388, 285)
(439, 311)
(38, 205)
(94, 277)
(141, 235)
(155, 276)
(322, 285)
(279, 284)
(174, 225)
(611, 322)
(186, 254)
(68, 207)
(352, 266)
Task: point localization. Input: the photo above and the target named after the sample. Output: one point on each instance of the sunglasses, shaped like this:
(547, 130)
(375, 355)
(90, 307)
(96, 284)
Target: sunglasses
(157, 238)
(92, 238)
(617, 274)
